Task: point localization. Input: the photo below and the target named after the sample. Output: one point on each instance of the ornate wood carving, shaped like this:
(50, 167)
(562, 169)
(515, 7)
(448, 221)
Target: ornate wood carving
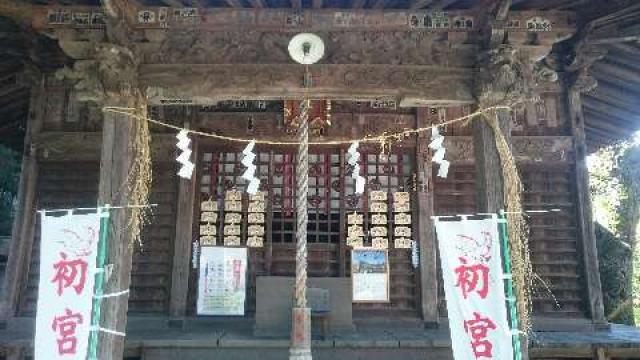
(252, 47)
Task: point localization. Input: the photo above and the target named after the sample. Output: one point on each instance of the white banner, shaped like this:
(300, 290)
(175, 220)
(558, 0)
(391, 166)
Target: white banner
(222, 281)
(474, 287)
(68, 246)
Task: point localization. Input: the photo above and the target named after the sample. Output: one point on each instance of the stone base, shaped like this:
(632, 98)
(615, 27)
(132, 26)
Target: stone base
(300, 334)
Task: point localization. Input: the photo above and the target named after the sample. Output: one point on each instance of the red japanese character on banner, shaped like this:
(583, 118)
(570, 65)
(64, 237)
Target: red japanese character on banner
(472, 278)
(65, 326)
(70, 273)
(478, 328)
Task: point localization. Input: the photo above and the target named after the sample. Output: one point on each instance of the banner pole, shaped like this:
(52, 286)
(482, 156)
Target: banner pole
(511, 298)
(104, 213)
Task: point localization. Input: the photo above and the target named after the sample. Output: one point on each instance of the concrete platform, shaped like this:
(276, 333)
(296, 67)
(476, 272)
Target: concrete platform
(232, 338)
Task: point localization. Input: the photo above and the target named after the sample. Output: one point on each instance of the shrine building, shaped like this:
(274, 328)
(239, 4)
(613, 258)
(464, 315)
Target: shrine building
(80, 79)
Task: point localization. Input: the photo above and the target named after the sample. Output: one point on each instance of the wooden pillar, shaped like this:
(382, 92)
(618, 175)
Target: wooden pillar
(115, 162)
(583, 202)
(489, 181)
(182, 244)
(22, 233)
(425, 229)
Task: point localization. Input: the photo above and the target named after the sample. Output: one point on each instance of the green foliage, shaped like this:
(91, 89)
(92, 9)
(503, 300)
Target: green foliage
(9, 175)
(615, 188)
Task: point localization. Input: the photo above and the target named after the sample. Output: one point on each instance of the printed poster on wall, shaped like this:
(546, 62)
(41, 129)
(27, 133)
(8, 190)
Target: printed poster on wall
(222, 281)
(68, 248)
(474, 288)
(370, 275)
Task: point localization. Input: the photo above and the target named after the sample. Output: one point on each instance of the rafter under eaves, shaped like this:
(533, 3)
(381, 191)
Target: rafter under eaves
(234, 3)
(420, 4)
(379, 4)
(174, 3)
(358, 4)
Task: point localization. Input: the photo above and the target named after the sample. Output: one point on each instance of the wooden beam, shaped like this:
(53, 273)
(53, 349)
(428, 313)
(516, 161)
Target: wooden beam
(234, 3)
(115, 162)
(18, 261)
(173, 3)
(609, 70)
(379, 4)
(609, 110)
(626, 48)
(584, 210)
(420, 4)
(597, 121)
(613, 95)
(182, 244)
(258, 4)
(443, 4)
(317, 4)
(296, 4)
(359, 4)
(425, 230)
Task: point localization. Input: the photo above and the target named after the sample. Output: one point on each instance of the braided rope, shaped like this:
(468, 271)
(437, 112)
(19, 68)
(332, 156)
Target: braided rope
(302, 187)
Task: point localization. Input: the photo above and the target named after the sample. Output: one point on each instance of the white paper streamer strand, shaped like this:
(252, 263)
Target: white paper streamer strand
(354, 157)
(184, 143)
(250, 173)
(436, 144)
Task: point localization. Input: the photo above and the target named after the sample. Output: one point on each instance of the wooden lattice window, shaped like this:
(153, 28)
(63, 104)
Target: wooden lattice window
(221, 171)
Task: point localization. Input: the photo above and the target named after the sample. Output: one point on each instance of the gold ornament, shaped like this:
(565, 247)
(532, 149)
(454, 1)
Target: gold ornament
(232, 206)
(231, 241)
(256, 207)
(231, 230)
(233, 196)
(355, 230)
(209, 216)
(402, 231)
(401, 207)
(402, 243)
(255, 230)
(255, 242)
(402, 219)
(401, 197)
(355, 219)
(209, 205)
(354, 242)
(258, 197)
(378, 196)
(380, 243)
(378, 231)
(379, 219)
(208, 229)
(378, 207)
(232, 218)
(207, 240)
(255, 218)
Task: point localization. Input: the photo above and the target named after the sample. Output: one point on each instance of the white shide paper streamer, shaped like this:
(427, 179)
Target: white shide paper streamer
(186, 170)
(354, 157)
(437, 141)
(250, 174)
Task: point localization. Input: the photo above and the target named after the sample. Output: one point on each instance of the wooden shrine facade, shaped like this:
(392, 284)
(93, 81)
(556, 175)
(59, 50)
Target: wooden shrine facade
(207, 69)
